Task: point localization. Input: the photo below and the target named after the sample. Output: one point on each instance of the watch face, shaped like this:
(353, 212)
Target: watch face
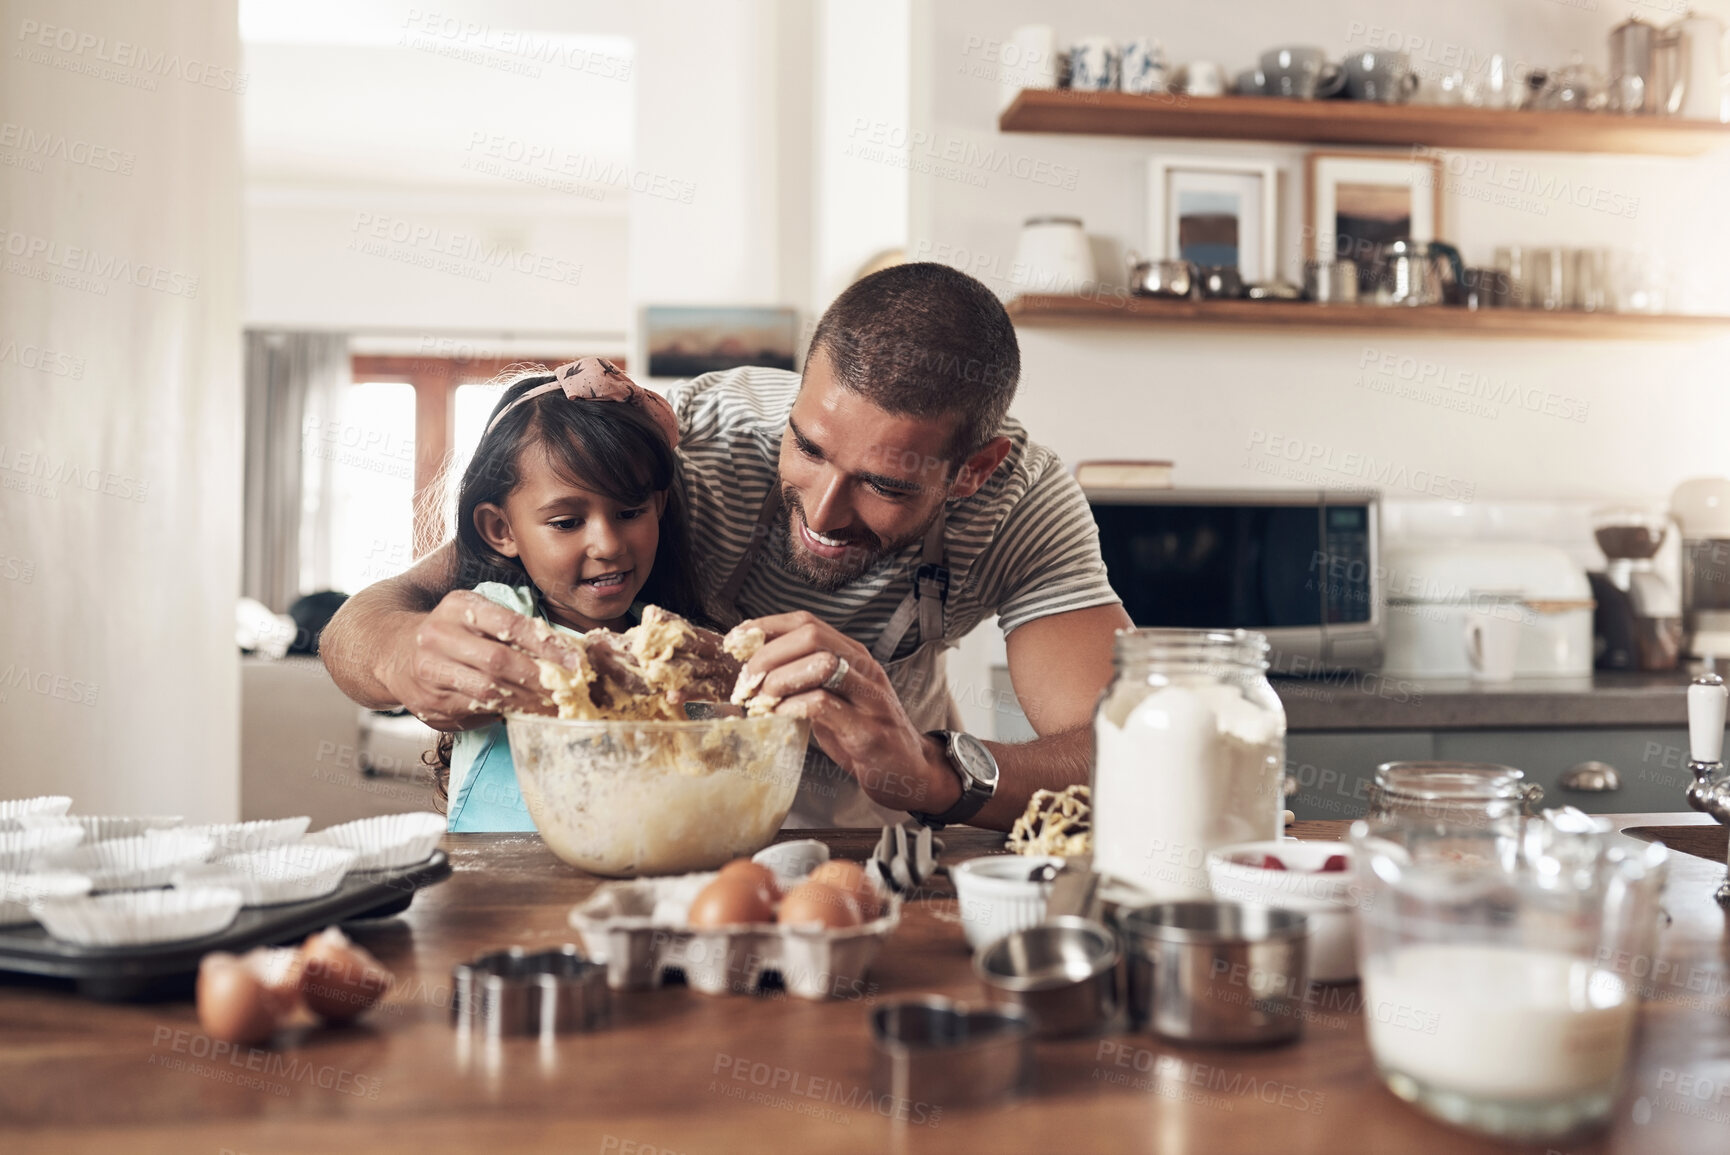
(980, 765)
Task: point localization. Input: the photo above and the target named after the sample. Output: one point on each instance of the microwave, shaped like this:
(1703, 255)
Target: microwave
(1301, 566)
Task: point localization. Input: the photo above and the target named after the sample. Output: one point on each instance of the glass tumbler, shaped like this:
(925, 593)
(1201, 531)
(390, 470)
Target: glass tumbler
(1551, 276)
(1511, 289)
(1492, 995)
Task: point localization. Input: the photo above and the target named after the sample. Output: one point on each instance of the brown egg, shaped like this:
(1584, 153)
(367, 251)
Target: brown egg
(761, 875)
(849, 878)
(820, 904)
(279, 969)
(339, 981)
(232, 1004)
(731, 900)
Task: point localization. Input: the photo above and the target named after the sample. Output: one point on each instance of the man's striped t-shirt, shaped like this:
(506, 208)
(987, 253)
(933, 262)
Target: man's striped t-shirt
(1023, 547)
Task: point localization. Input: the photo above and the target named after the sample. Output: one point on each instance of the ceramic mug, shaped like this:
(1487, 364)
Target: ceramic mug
(1250, 82)
(1384, 77)
(1141, 67)
(1299, 72)
(1203, 78)
(1492, 636)
(1093, 64)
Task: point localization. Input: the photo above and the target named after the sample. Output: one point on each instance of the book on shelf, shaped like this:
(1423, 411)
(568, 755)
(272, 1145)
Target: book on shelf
(1123, 474)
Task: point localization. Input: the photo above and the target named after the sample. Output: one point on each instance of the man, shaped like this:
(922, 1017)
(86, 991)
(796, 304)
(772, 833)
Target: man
(866, 517)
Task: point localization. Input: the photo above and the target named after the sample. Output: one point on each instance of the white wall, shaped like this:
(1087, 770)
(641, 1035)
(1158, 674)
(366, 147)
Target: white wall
(120, 453)
(1653, 413)
(1213, 400)
(716, 141)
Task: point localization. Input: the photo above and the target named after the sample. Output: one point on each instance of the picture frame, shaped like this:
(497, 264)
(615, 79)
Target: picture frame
(1215, 211)
(1385, 197)
(681, 341)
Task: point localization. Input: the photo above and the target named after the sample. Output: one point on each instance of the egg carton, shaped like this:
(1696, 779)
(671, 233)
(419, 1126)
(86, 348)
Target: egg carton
(638, 929)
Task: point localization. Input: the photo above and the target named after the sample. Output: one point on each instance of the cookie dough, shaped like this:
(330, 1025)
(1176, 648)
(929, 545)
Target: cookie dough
(1055, 823)
(742, 642)
(645, 674)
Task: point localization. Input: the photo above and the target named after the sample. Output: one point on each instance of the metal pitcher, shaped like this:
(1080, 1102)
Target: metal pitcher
(1633, 63)
(1417, 272)
(1689, 69)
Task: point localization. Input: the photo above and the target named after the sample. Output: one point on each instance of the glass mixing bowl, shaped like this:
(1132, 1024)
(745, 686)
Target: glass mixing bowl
(631, 798)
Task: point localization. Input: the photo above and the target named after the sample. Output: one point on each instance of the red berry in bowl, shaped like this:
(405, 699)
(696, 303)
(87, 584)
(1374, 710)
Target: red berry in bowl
(1335, 864)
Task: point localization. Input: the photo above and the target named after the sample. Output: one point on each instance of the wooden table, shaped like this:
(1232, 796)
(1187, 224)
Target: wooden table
(680, 1072)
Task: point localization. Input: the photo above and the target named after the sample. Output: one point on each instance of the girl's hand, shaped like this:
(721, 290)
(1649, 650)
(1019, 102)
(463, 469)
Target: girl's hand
(470, 660)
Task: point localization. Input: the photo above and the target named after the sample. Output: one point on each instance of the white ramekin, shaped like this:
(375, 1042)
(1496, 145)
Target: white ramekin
(997, 896)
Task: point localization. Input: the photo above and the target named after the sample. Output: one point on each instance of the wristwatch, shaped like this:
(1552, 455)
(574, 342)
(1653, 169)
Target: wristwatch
(976, 768)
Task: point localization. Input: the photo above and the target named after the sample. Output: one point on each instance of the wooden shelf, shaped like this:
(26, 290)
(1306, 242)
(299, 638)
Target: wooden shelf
(1110, 308)
(1354, 122)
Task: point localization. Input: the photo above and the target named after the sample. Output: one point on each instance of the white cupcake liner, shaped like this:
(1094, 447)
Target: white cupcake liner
(103, 827)
(385, 841)
(247, 837)
(131, 863)
(278, 875)
(135, 917)
(18, 891)
(12, 809)
(38, 849)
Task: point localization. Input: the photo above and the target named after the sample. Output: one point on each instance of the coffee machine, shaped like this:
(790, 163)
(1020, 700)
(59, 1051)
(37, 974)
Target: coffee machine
(1701, 508)
(1637, 619)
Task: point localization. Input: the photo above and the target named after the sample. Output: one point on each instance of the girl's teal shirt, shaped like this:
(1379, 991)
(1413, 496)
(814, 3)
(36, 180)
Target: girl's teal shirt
(483, 783)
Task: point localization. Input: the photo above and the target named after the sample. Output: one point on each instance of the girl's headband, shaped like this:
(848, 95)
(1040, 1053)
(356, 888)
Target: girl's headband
(598, 379)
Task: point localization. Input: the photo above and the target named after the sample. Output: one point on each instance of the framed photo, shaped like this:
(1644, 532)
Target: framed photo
(684, 341)
(1214, 211)
(1357, 201)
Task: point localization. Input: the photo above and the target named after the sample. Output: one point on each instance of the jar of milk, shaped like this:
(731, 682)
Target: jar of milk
(1189, 754)
(1500, 991)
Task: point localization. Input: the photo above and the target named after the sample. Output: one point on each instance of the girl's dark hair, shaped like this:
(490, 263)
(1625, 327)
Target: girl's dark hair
(612, 448)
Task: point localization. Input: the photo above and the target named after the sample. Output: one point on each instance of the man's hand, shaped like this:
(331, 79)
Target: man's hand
(858, 721)
(469, 660)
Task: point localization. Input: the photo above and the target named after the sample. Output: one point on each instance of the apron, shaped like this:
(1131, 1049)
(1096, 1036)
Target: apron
(828, 795)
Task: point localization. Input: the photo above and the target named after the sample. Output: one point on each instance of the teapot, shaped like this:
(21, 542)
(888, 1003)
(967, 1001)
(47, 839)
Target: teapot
(1417, 272)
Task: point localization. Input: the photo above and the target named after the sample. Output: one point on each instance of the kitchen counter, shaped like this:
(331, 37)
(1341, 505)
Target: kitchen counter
(1370, 700)
(680, 1072)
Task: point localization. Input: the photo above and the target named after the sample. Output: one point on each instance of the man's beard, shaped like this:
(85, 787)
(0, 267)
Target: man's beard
(864, 548)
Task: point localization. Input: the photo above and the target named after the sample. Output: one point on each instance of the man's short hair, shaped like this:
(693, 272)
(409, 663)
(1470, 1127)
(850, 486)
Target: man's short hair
(925, 340)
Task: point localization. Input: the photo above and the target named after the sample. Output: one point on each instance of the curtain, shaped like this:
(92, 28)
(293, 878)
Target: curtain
(293, 381)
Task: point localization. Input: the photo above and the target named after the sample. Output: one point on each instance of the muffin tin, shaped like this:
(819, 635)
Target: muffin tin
(638, 930)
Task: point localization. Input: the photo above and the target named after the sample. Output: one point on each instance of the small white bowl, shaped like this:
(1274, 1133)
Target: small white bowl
(12, 809)
(18, 891)
(246, 837)
(133, 863)
(997, 897)
(103, 827)
(278, 875)
(387, 840)
(37, 849)
(133, 917)
(1330, 899)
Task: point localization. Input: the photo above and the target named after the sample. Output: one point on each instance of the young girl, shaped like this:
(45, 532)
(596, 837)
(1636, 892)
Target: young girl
(571, 510)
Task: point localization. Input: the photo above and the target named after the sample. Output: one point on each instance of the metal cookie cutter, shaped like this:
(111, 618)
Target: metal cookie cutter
(516, 992)
(949, 1054)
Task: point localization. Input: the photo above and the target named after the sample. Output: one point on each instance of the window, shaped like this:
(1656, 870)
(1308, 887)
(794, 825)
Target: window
(379, 498)
(357, 488)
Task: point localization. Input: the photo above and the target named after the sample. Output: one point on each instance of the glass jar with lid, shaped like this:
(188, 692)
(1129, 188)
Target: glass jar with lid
(1465, 796)
(1189, 754)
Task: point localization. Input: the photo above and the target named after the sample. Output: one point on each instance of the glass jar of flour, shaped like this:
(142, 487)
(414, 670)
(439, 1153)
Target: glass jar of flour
(1189, 754)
